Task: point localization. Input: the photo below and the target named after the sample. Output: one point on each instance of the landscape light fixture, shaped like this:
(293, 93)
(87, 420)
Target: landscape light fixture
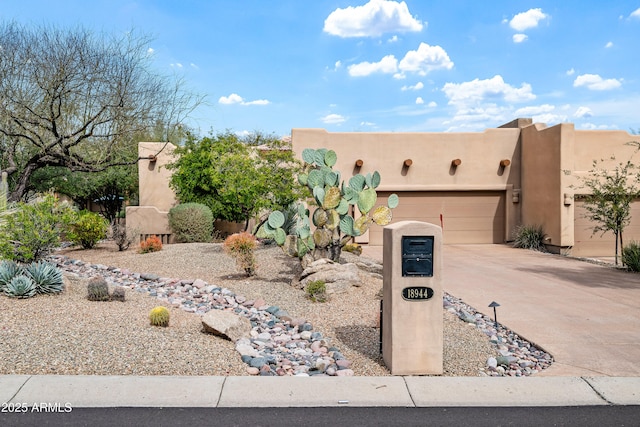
(495, 316)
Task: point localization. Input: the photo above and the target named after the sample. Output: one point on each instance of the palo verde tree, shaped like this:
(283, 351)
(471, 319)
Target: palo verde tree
(70, 98)
(236, 178)
(609, 198)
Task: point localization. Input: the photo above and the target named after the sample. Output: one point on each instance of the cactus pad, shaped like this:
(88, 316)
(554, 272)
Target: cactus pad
(393, 201)
(366, 200)
(381, 215)
(332, 198)
(320, 217)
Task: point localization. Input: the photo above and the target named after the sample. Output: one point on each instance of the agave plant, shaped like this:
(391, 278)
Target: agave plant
(20, 286)
(8, 270)
(334, 224)
(46, 276)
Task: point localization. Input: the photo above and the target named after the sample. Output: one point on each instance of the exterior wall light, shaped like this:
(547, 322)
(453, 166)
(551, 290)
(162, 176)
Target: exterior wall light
(568, 199)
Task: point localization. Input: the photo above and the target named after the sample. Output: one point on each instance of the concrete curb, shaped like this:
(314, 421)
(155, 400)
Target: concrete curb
(145, 391)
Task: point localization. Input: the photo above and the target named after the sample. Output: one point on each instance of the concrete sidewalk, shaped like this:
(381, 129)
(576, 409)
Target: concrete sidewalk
(130, 391)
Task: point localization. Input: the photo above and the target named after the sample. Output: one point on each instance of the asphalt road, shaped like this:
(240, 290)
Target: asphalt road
(583, 416)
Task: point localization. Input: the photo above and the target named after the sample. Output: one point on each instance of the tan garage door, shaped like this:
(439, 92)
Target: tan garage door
(587, 244)
(467, 216)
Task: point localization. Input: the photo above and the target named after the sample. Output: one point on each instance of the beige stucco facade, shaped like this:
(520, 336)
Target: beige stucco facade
(478, 186)
(521, 173)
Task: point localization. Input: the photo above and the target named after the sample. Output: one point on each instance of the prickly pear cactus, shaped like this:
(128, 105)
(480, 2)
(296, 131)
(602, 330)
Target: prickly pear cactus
(333, 217)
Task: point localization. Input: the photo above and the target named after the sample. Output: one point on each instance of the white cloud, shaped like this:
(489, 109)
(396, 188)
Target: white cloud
(571, 72)
(194, 66)
(333, 119)
(177, 65)
(150, 51)
(419, 100)
(387, 65)
(582, 112)
(427, 58)
(234, 98)
(608, 45)
(529, 19)
(416, 86)
(257, 102)
(595, 82)
(550, 119)
(337, 65)
(635, 13)
(393, 39)
(371, 20)
(490, 90)
(534, 110)
(367, 124)
(433, 104)
(519, 38)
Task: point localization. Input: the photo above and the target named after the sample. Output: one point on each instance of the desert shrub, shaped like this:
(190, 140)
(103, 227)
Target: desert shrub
(317, 291)
(122, 236)
(530, 237)
(241, 246)
(87, 229)
(159, 316)
(9, 270)
(191, 222)
(33, 229)
(631, 256)
(20, 286)
(46, 276)
(98, 289)
(151, 244)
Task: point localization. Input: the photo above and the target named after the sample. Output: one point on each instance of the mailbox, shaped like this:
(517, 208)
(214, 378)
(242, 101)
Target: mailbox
(417, 256)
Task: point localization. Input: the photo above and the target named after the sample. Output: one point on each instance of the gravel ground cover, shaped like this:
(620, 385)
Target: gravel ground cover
(67, 334)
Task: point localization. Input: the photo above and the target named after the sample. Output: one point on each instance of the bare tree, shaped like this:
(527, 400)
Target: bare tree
(71, 98)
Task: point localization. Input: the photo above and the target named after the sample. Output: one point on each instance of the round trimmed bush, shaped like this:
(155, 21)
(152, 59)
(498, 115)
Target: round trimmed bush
(191, 222)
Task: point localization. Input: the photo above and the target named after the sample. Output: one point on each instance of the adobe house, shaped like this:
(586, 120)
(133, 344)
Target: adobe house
(479, 186)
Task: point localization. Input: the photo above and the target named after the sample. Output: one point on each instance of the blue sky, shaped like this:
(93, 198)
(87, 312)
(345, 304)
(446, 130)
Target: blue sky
(358, 66)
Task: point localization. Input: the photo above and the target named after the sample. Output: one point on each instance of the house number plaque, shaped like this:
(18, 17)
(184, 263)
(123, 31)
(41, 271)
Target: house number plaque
(417, 293)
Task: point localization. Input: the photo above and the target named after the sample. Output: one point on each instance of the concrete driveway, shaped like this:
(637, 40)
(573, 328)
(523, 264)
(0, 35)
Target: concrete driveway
(586, 315)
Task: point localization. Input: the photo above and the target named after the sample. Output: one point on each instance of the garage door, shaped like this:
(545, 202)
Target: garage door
(467, 216)
(587, 244)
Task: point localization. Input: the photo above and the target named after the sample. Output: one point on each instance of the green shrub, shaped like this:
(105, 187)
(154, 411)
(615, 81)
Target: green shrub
(159, 316)
(87, 229)
(631, 256)
(20, 287)
(530, 237)
(317, 291)
(33, 229)
(191, 222)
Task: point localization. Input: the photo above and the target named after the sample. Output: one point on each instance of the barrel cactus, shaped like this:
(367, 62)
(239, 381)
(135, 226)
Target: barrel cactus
(97, 289)
(159, 316)
(118, 294)
(333, 219)
(20, 286)
(46, 276)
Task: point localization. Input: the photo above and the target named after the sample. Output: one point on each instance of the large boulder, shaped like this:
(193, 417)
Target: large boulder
(226, 324)
(338, 278)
